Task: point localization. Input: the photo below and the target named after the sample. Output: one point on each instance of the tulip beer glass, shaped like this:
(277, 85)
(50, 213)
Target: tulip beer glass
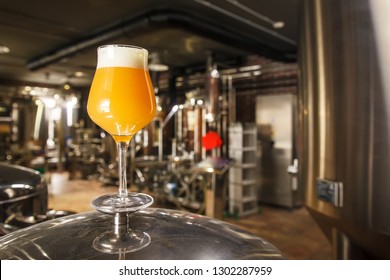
(122, 101)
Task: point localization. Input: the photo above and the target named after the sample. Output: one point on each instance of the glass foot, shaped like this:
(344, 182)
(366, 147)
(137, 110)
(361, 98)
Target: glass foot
(114, 243)
(111, 204)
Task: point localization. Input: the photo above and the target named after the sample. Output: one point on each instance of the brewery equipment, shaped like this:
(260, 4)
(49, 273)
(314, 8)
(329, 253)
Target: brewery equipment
(344, 103)
(23, 196)
(23, 199)
(173, 235)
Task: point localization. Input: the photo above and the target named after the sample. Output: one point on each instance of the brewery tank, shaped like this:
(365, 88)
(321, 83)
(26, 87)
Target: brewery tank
(23, 196)
(344, 123)
(173, 235)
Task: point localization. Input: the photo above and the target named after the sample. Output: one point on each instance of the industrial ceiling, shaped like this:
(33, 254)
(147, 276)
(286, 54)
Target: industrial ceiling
(54, 42)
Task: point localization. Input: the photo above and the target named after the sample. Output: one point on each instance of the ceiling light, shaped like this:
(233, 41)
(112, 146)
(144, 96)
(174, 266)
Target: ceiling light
(79, 74)
(278, 24)
(4, 49)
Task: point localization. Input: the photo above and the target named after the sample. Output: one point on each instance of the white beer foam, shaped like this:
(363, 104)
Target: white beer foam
(122, 56)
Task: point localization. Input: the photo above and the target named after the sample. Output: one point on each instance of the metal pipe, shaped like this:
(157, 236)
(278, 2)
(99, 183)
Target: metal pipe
(196, 23)
(179, 131)
(160, 140)
(204, 126)
(170, 115)
(197, 134)
(341, 245)
(96, 38)
(246, 20)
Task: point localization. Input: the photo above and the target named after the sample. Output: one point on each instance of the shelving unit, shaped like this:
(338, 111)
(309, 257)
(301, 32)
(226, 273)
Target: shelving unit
(242, 176)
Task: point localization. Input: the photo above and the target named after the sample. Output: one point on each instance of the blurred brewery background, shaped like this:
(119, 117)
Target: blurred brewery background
(272, 115)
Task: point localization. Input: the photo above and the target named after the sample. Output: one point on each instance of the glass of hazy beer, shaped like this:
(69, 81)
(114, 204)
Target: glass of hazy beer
(121, 101)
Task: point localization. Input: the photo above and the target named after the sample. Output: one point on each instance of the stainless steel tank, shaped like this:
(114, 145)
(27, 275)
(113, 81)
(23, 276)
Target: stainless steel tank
(23, 196)
(173, 235)
(345, 123)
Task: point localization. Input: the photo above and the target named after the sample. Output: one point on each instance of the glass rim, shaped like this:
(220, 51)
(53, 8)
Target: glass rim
(122, 46)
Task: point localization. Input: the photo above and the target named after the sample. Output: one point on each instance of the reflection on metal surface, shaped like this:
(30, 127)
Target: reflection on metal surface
(125, 242)
(14, 189)
(215, 165)
(344, 122)
(174, 235)
(23, 196)
(121, 239)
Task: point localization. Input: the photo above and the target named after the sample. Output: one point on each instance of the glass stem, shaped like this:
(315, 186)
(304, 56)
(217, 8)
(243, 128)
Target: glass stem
(122, 162)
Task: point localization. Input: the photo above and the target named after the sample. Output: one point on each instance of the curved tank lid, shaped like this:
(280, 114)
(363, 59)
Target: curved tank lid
(173, 235)
(15, 174)
(17, 181)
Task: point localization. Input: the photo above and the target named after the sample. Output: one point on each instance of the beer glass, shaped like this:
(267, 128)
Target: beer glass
(121, 101)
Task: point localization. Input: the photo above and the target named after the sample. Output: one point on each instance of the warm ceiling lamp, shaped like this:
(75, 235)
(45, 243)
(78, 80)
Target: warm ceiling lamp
(79, 74)
(4, 48)
(278, 24)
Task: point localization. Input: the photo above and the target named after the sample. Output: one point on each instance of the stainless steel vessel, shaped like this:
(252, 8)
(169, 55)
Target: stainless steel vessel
(173, 234)
(23, 196)
(344, 157)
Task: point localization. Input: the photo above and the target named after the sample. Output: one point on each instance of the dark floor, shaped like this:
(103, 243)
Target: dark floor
(293, 232)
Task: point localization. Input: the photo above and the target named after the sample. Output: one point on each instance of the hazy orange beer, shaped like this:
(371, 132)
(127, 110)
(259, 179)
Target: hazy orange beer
(121, 99)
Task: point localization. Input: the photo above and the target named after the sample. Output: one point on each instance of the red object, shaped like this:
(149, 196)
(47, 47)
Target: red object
(211, 141)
